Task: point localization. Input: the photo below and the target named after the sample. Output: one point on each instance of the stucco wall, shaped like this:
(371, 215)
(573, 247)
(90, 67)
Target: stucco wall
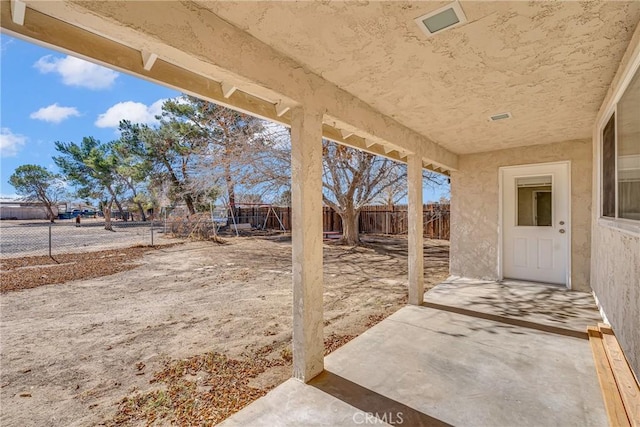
(475, 204)
(615, 257)
(615, 281)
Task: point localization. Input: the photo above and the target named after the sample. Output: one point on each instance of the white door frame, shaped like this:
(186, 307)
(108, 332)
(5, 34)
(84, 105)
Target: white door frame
(501, 170)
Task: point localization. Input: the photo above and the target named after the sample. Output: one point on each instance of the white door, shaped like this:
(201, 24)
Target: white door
(535, 222)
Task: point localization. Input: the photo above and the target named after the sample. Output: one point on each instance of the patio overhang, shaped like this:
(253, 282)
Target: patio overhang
(372, 69)
(260, 81)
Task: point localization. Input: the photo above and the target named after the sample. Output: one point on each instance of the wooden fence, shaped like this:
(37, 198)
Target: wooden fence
(394, 220)
(373, 219)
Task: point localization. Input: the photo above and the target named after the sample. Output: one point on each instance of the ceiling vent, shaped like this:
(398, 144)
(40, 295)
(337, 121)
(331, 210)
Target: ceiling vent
(445, 18)
(501, 116)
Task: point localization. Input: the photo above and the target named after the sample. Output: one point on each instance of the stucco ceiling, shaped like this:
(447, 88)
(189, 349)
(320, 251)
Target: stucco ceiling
(547, 63)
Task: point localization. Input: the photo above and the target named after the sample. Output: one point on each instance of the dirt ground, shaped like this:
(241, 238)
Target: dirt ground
(34, 271)
(123, 349)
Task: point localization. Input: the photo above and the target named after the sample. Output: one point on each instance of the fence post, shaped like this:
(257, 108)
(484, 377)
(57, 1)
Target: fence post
(50, 241)
(151, 232)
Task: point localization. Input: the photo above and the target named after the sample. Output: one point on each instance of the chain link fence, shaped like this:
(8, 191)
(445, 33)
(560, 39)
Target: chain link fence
(23, 239)
(35, 238)
(19, 239)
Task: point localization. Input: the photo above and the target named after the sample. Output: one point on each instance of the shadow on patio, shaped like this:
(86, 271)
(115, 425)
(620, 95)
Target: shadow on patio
(476, 354)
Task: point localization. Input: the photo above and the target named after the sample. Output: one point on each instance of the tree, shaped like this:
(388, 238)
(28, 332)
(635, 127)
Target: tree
(172, 149)
(351, 180)
(284, 199)
(131, 165)
(199, 148)
(395, 188)
(90, 167)
(36, 183)
(221, 140)
(250, 198)
(268, 157)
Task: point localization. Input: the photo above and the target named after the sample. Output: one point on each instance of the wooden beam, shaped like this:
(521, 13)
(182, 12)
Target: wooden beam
(627, 385)
(604, 328)
(281, 109)
(227, 89)
(369, 143)
(148, 59)
(612, 400)
(333, 134)
(345, 133)
(18, 11)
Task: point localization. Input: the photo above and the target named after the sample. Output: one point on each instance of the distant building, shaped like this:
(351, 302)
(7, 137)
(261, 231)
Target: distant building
(23, 210)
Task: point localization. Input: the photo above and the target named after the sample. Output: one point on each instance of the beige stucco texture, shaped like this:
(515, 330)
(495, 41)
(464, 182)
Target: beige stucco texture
(515, 56)
(475, 208)
(615, 261)
(615, 281)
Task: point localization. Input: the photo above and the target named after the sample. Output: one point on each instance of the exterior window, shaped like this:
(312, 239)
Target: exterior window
(609, 169)
(628, 130)
(621, 157)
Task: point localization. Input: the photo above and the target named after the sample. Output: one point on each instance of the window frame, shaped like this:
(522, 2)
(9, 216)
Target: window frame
(614, 116)
(629, 226)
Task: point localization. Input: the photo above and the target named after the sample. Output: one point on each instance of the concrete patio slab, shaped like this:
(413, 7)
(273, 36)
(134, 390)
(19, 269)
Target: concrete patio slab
(539, 304)
(426, 366)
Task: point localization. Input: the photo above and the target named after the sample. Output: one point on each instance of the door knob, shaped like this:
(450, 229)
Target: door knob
(561, 222)
(561, 230)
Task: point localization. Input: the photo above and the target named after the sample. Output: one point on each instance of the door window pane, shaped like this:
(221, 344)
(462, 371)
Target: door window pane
(534, 201)
(628, 127)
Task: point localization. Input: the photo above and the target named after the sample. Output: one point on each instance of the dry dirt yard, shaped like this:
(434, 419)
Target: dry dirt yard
(189, 336)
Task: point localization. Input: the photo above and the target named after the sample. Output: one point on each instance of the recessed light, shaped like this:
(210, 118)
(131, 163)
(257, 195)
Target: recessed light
(447, 17)
(500, 116)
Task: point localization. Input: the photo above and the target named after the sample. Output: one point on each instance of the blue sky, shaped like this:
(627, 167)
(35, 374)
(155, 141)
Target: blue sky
(47, 96)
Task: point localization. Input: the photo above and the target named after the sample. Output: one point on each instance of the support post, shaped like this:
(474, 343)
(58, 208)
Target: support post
(151, 232)
(415, 232)
(50, 241)
(306, 236)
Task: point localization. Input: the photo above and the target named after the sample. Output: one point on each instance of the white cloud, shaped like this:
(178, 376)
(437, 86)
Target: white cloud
(55, 113)
(136, 112)
(77, 72)
(10, 143)
(5, 42)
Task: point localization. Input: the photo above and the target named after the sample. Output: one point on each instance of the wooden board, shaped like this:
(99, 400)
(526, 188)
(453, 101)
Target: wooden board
(625, 380)
(610, 393)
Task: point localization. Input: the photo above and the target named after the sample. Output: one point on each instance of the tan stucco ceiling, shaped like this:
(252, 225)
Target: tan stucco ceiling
(549, 64)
